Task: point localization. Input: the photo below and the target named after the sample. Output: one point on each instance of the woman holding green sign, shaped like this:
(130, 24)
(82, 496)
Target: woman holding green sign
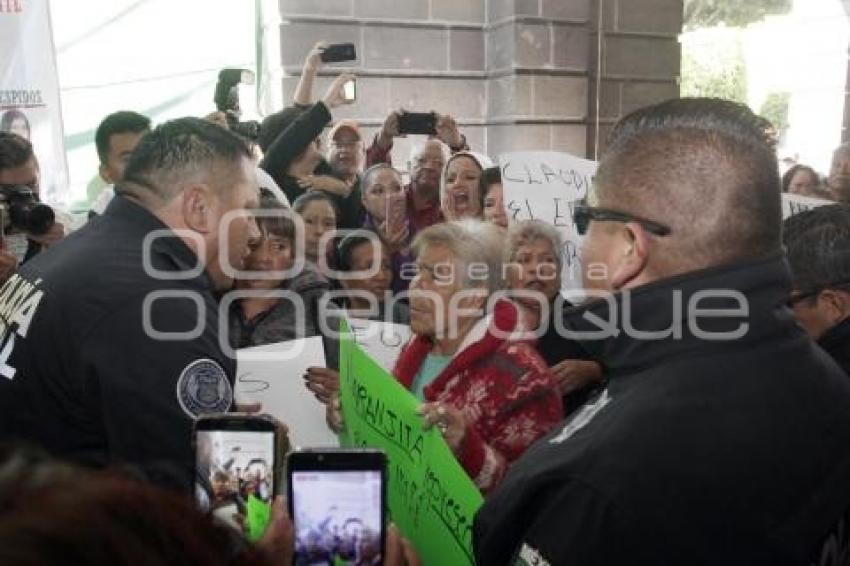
(489, 394)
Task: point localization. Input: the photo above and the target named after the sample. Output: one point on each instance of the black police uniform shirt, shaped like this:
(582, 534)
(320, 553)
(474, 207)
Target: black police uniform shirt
(697, 452)
(104, 360)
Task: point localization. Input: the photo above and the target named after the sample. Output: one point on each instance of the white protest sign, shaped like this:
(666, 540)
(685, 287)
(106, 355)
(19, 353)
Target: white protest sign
(272, 375)
(546, 185)
(795, 204)
(383, 341)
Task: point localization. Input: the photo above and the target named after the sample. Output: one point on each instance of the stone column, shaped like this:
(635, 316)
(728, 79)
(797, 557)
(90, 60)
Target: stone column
(640, 62)
(537, 65)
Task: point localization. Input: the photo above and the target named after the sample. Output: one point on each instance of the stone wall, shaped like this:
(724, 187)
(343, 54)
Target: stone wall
(517, 74)
(641, 59)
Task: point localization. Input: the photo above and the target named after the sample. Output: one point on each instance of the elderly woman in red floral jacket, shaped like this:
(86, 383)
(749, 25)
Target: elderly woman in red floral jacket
(491, 396)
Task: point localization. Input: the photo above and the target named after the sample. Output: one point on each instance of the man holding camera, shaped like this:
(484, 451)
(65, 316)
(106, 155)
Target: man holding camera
(27, 226)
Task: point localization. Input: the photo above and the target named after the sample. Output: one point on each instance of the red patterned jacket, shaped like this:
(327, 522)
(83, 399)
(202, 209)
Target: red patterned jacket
(503, 387)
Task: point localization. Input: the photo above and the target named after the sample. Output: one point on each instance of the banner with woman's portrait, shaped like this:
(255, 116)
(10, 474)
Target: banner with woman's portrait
(29, 90)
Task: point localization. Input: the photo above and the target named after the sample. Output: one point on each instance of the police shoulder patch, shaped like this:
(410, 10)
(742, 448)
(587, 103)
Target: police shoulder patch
(203, 388)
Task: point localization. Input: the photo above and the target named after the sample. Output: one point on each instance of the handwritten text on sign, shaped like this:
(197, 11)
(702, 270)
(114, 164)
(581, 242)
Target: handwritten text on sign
(547, 185)
(431, 498)
(271, 375)
(795, 204)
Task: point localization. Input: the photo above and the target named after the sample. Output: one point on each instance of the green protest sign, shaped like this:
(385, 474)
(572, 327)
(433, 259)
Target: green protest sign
(431, 498)
(257, 515)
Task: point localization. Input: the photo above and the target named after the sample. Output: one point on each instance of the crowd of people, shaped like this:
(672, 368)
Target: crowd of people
(694, 409)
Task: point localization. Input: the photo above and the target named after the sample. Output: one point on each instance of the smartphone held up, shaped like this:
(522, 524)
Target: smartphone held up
(236, 466)
(339, 52)
(337, 502)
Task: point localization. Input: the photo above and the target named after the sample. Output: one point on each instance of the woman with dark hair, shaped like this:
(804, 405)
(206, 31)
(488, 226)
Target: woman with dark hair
(16, 122)
(319, 213)
(55, 513)
(266, 317)
(804, 181)
(385, 204)
(366, 293)
(460, 186)
(494, 202)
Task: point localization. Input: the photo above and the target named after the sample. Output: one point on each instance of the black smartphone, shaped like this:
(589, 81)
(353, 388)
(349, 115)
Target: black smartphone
(236, 466)
(417, 123)
(338, 52)
(337, 503)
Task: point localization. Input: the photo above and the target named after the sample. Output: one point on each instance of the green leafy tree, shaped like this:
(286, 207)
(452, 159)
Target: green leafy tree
(713, 65)
(733, 13)
(775, 109)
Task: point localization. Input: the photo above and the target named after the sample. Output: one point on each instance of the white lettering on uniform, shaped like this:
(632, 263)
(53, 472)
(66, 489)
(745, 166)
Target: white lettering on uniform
(23, 316)
(19, 300)
(531, 556)
(582, 418)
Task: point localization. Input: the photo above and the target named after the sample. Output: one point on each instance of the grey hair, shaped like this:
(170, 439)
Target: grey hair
(470, 241)
(528, 231)
(420, 147)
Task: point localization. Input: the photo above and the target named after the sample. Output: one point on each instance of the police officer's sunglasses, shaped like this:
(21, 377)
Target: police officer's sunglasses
(584, 215)
(799, 297)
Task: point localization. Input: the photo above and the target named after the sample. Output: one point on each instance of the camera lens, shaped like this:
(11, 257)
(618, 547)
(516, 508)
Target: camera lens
(39, 219)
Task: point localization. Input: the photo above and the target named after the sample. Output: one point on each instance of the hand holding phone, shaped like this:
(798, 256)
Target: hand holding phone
(417, 123)
(237, 464)
(339, 52)
(337, 500)
(336, 94)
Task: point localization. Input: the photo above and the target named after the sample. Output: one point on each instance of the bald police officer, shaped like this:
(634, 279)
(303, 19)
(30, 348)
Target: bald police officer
(110, 345)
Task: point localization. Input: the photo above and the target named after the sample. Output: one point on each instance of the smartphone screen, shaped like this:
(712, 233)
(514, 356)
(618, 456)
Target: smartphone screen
(349, 91)
(338, 516)
(417, 123)
(339, 52)
(235, 476)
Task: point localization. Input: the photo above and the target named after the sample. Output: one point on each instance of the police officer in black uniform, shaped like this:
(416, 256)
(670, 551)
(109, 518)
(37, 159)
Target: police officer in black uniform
(110, 345)
(723, 435)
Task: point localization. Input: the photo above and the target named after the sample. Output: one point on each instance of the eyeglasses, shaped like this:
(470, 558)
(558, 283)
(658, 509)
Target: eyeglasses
(584, 215)
(800, 297)
(347, 145)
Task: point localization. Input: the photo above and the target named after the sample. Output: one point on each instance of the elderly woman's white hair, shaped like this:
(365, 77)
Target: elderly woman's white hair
(528, 231)
(419, 149)
(474, 244)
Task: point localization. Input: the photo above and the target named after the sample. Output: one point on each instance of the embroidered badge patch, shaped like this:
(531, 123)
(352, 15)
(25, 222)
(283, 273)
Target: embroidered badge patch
(203, 388)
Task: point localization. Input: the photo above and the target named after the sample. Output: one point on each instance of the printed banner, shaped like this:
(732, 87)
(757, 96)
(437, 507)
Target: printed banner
(431, 498)
(29, 91)
(546, 185)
